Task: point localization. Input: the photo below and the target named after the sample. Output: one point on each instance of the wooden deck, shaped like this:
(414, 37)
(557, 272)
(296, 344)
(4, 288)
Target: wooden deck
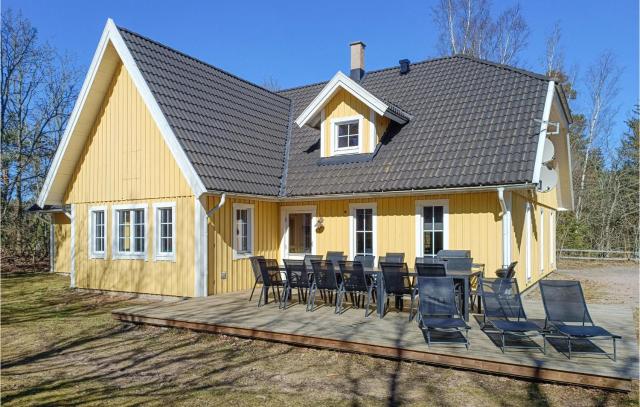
(395, 337)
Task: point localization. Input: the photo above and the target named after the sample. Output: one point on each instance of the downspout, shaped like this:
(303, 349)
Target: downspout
(505, 205)
(220, 204)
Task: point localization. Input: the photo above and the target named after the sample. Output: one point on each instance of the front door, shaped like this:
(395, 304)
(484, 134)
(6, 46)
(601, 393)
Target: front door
(298, 237)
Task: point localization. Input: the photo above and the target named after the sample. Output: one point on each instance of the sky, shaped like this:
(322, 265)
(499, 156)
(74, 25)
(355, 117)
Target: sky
(297, 43)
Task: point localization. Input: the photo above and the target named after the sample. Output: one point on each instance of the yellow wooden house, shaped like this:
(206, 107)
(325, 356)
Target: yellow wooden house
(172, 172)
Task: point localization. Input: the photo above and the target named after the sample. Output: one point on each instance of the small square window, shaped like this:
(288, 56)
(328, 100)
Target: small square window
(347, 137)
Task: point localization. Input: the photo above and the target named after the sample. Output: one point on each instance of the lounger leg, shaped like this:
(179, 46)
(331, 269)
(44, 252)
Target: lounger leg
(254, 288)
(614, 349)
(502, 342)
(261, 294)
(569, 343)
(544, 345)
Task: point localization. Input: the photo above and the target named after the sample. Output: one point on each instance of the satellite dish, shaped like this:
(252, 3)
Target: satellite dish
(548, 179)
(548, 152)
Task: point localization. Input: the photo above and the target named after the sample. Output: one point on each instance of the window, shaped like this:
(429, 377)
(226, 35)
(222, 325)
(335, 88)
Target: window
(298, 225)
(130, 232)
(346, 135)
(97, 232)
(165, 231)
(363, 229)
(243, 230)
(432, 219)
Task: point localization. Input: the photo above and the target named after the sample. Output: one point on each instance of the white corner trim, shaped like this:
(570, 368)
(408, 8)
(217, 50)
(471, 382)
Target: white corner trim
(72, 272)
(352, 227)
(338, 81)
(541, 241)
(420, 204)
(250, 207)
(543, 132)
(92, 254)
(284, 229)
(201, 265)
(115, 254)
(372, 131)
(334, 135)
(157, 256)
(52, 246)
(112, 34)
(322, 133)
(528, 240)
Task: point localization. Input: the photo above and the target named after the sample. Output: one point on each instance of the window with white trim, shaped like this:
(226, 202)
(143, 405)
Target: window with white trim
(165, 231)
(363, 229)
(243, 230)
(130, 232)
(97, 233)
(432, 230)
(432, 222)
(347, 137)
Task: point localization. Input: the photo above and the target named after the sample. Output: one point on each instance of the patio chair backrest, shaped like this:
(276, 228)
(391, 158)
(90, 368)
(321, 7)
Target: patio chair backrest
(335, 257)
(459, 263)
(427, 260)
(297, 275)
(453, 253)
(396, 277)
(365, 260)
(324, 275)
(501, 298)
(431, 269)
(511, 270)
(394, 257)
(255, 267)
(437, 297)
(310, 257)
(563, 301)
(269, 271)
(353, 277)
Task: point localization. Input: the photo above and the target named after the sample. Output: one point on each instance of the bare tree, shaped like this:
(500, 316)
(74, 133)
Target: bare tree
(466, 27)
(271, 83)
(37, 91)
(602, 87)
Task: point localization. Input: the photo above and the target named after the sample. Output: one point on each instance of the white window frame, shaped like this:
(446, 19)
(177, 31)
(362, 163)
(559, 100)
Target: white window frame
(552, 239)
(243, 255)
(528, 239)
(91, 241)
(115, 253)
(352, 227)
(420, 223)
(284, 229)
(541, 240)
(335, 150)
(157, 255)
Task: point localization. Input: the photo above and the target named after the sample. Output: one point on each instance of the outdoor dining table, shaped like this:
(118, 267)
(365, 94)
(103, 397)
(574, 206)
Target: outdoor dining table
(460, 275)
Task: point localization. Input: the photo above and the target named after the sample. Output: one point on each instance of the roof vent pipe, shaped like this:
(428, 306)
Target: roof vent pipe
(404, 66)
(357, 60)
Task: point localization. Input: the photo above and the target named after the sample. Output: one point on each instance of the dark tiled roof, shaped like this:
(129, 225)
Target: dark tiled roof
(472, 123)
(234, 132)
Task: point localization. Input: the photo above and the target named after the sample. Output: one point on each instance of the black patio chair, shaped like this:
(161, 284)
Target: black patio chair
(354, 282)
(398, 282)
(427, 259)
(335, 257)
(367, 261)
(567, 314)
(459, 263)
(431, 269)
(271, 277)
(255, 267)
(324, 279)
(438, 309)
(503, 311)
(453, 253)
(391, 257)
(297, 277)
(310, 257)
(507, 272)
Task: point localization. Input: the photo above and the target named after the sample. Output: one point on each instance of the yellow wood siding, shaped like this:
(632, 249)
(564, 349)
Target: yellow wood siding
(344, 104)
(62, 242)
(239, 275)
(126, 161)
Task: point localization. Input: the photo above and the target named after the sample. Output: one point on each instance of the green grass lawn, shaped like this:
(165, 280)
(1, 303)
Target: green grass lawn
(60, 346)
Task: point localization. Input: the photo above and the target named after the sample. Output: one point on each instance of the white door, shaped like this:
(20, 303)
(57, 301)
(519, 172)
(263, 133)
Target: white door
(528, 231)
(298, 235)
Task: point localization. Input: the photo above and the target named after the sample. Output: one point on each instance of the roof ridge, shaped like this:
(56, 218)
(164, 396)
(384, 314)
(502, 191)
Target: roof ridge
(200, 61)
(504, 66)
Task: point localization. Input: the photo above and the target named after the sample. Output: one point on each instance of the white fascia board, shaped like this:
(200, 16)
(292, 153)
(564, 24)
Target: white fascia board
(556, 100)
(338, 81)
(543, 132)
(111, 34)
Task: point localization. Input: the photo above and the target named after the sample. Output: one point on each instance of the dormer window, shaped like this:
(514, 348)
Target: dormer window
(346, 135)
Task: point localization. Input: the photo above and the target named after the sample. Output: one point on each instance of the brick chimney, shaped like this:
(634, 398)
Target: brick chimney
(357, 60)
